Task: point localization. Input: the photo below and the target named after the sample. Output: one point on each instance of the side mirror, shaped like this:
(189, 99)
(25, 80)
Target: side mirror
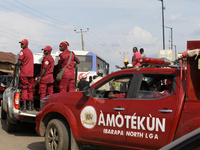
(86, 91)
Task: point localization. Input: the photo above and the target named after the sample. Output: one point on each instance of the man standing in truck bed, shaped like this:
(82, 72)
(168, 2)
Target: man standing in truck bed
(45, 79)
(25, 60)
(67, 82)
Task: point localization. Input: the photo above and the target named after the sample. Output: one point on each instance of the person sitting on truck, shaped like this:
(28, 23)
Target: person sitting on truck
(25, 60)
(126, 62)
(135, 56)
(45, 79)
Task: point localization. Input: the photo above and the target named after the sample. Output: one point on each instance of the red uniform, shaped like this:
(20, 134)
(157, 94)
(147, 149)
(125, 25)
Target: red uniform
(67, 82)
(120, 95)
(26, 74)
(46, 82)
(135, 56)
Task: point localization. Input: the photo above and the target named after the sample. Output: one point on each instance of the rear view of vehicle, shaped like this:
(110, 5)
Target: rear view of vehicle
(11, 103)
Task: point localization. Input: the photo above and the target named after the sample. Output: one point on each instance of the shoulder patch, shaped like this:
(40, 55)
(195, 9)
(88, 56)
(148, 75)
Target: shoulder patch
(21, 53)
(46, 62)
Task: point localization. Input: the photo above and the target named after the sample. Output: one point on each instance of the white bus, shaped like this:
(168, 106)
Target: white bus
(90, 63)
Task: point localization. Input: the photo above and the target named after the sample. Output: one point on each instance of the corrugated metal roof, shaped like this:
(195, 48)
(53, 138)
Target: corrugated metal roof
(7, 57)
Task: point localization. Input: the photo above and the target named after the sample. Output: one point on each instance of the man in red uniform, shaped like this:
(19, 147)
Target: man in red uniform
(135, 56)
(25, 60)
(45, 79)
(67, 82)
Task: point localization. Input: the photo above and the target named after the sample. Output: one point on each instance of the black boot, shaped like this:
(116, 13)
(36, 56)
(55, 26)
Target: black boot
(23, 107)
(30, 106)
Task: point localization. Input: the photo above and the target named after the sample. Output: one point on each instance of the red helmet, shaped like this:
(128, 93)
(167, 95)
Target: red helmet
(169, 81)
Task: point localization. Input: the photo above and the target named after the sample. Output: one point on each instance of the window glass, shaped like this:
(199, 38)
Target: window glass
(116, 85)
(101, 64)
(156, 86)
(85, 63)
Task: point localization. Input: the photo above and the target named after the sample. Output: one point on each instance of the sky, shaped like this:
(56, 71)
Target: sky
(111, 28)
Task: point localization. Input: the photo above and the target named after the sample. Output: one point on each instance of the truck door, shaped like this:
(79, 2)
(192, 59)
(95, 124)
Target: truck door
(151, 111)
(109, 125)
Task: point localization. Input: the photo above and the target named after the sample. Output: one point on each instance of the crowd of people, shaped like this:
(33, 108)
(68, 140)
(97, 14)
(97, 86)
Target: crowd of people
(45, 78)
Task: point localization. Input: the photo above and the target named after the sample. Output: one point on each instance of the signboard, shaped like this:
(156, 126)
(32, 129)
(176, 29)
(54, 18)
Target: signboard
(167, 53)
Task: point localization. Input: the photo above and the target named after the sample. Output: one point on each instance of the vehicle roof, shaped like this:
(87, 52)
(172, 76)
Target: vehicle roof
(151, 70)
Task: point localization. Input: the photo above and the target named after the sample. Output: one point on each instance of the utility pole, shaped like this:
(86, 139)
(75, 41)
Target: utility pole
(123, 53)
(163, 24)
(175, 51)
(171, 41)
(81, 31)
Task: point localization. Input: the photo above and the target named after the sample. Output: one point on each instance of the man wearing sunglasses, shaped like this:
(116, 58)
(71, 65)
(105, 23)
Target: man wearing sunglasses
(25, 61)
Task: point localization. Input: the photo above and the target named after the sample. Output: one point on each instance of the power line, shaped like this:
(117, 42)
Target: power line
(81, 31)
(99, 44)
(44, 14)
(48, 22)
(24, 34)
(55, 25)
(100, 39)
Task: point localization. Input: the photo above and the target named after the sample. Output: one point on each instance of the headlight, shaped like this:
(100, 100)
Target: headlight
(43, 101)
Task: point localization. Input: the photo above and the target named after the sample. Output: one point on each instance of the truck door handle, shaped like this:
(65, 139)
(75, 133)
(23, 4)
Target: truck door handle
(118, 109)
(165, 111)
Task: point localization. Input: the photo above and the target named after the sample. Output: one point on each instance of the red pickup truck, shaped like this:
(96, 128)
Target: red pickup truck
(149, 108)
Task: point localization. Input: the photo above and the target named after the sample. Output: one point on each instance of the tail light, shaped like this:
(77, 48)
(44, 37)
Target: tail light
(16, 100)
(2, 88)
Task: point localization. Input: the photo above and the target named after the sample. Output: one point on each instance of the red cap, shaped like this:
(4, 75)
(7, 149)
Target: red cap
(24, 41)
(47, 48)
(64, 44)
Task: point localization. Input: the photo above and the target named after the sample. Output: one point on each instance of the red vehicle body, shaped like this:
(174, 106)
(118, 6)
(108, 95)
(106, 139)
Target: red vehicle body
(138, 121)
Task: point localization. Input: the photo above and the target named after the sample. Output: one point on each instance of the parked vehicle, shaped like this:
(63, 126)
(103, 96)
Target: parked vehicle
(5, 81)
(154, 107)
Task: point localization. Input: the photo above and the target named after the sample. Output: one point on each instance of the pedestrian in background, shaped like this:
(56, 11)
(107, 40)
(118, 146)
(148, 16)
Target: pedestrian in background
(135, 56)
(142, 52)
(90, 79)
(67, 83)
(25, 60)
(45, 79)
(105, 87)
(82, 83)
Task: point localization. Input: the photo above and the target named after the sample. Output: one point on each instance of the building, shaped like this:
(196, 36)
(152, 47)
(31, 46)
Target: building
(7, 61)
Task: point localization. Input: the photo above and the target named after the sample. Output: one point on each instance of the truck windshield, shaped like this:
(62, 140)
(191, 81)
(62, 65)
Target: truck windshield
(85, 63)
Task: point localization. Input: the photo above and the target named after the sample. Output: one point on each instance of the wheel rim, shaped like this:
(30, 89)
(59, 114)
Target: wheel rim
(53, 138)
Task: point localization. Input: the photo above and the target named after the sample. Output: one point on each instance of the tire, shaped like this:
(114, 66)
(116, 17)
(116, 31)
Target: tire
(57, 135)
(3, 113)
(10, 127)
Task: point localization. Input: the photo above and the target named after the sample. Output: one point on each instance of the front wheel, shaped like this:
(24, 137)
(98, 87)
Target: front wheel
(57, 135)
